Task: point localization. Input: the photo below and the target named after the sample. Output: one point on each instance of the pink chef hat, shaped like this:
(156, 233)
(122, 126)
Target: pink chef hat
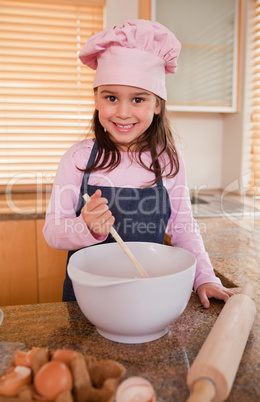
(137, 53)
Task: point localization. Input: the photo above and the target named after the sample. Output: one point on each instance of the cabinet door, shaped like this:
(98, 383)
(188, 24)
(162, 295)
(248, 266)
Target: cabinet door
(206, 79)
(51, 268)
(18, 273)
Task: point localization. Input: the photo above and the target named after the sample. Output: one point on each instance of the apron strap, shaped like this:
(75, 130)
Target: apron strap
(93, 154)
(91, 161)
(86, 177)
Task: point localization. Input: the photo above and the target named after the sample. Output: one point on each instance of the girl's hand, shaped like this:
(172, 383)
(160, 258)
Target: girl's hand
(211, 289)
(97, 216)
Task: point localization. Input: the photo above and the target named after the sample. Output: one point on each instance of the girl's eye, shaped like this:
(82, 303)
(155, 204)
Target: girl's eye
(111, 98)
(138, 100)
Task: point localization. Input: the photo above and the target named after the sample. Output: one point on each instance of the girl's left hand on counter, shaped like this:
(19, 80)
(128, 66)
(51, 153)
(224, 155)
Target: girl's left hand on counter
(210, 289)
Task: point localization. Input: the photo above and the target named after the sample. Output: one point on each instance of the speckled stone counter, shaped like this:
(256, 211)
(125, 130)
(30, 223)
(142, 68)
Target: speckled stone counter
(233, 244)
(23, 206)
(234, 248)
(164, 362)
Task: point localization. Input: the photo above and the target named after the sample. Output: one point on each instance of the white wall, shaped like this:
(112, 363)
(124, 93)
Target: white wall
(200, 138)
(217, 146)
(236, 138)
(212, 143)
(118, 11)
(199, 134)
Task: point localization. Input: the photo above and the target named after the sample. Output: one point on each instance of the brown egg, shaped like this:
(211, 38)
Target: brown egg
(53, 378)
(136, 389)
(11, 383)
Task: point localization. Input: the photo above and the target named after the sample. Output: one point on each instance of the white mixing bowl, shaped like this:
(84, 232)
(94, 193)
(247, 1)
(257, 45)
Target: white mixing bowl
(124, 307)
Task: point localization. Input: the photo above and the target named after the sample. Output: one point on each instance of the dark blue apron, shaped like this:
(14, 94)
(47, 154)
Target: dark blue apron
(141, 214)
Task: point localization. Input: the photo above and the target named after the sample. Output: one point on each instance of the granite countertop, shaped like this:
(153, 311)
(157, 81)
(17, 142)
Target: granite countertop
(164, 362)
(233, 244)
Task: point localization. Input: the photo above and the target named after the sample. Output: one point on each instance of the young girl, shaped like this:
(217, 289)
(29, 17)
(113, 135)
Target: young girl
(132, 169)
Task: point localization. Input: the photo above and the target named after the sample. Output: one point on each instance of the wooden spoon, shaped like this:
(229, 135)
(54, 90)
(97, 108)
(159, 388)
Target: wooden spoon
(123, 245)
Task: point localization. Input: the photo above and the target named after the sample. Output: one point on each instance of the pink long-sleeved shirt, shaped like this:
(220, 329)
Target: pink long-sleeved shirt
(63, 230)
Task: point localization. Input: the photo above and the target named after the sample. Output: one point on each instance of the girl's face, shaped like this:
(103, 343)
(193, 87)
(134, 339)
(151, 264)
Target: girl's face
(125, 112)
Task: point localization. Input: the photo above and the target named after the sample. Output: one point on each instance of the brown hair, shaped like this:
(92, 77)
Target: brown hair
(158, 135)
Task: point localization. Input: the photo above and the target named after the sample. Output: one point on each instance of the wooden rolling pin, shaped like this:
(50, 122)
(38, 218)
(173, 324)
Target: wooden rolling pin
(124, 247)
(212, 373)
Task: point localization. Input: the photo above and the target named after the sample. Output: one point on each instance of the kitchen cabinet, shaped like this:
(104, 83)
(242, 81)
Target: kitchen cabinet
(51, 268)
(207, 74)
(18, 274)
(30, 270)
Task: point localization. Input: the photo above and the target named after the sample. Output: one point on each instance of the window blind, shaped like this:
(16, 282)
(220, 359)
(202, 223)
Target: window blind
(255, 107)
(46, 97)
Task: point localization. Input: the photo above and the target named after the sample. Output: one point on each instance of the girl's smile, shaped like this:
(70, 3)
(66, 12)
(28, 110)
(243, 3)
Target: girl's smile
(124, 128)
(125, 112)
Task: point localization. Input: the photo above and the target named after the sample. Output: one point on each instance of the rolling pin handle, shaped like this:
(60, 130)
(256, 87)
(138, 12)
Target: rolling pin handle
(203, 390)
(247, 289)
